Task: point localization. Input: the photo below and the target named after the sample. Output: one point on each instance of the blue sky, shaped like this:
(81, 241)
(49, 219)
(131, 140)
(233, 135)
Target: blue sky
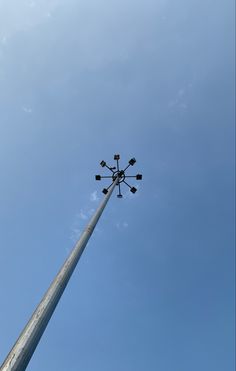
(80, 81)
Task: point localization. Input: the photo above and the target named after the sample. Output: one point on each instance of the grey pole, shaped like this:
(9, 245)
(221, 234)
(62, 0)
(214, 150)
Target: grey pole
(22, 351)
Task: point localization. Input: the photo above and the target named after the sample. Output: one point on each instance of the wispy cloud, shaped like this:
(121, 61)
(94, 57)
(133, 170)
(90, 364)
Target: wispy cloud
(78, 223)
(180, 100)
(122, 225)
(75, 234)
(80, 220)
(91, 211)
(82, 215)
(3, 40)
(27, 109)
(94, 196)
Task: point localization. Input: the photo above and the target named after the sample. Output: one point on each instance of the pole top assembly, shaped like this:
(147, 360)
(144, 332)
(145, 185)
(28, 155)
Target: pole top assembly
(121, 174)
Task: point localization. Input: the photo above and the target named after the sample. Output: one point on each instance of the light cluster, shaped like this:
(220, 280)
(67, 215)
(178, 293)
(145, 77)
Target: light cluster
(121, 174)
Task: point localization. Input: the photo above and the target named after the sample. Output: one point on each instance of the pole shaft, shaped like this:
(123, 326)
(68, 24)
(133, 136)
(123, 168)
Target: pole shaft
(21, 353)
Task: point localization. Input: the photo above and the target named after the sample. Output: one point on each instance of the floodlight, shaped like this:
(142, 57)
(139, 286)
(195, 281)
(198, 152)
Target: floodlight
(133, 189)
(132, 161)
(119, 175)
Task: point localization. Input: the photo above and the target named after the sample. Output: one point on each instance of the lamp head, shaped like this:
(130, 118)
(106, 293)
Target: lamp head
(132, 161)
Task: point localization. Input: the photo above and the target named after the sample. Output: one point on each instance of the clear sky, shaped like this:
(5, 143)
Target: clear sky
(79, 82)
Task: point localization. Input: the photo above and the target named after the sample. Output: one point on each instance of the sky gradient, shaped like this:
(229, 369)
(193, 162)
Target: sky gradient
(79, 82)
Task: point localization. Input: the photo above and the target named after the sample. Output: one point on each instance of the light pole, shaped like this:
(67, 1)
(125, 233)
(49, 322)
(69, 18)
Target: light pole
(21, 353)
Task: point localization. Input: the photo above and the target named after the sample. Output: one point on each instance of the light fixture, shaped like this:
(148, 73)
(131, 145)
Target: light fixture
(132, 161)
(133, 189)
(121, 174)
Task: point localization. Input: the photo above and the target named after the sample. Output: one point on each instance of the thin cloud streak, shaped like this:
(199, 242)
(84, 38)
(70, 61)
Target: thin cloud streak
(27, 109)
(94, 196)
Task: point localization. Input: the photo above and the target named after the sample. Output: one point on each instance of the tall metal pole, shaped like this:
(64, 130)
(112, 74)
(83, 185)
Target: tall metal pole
(22, 351)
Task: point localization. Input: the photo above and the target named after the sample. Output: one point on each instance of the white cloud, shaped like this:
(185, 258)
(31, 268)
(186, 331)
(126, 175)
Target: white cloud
(122, 225)
(94, 196)
(75, 234)
(27, 109)
(91, 211)
(82, 215)
(3, 40)
(79, 222)
(180, 101)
